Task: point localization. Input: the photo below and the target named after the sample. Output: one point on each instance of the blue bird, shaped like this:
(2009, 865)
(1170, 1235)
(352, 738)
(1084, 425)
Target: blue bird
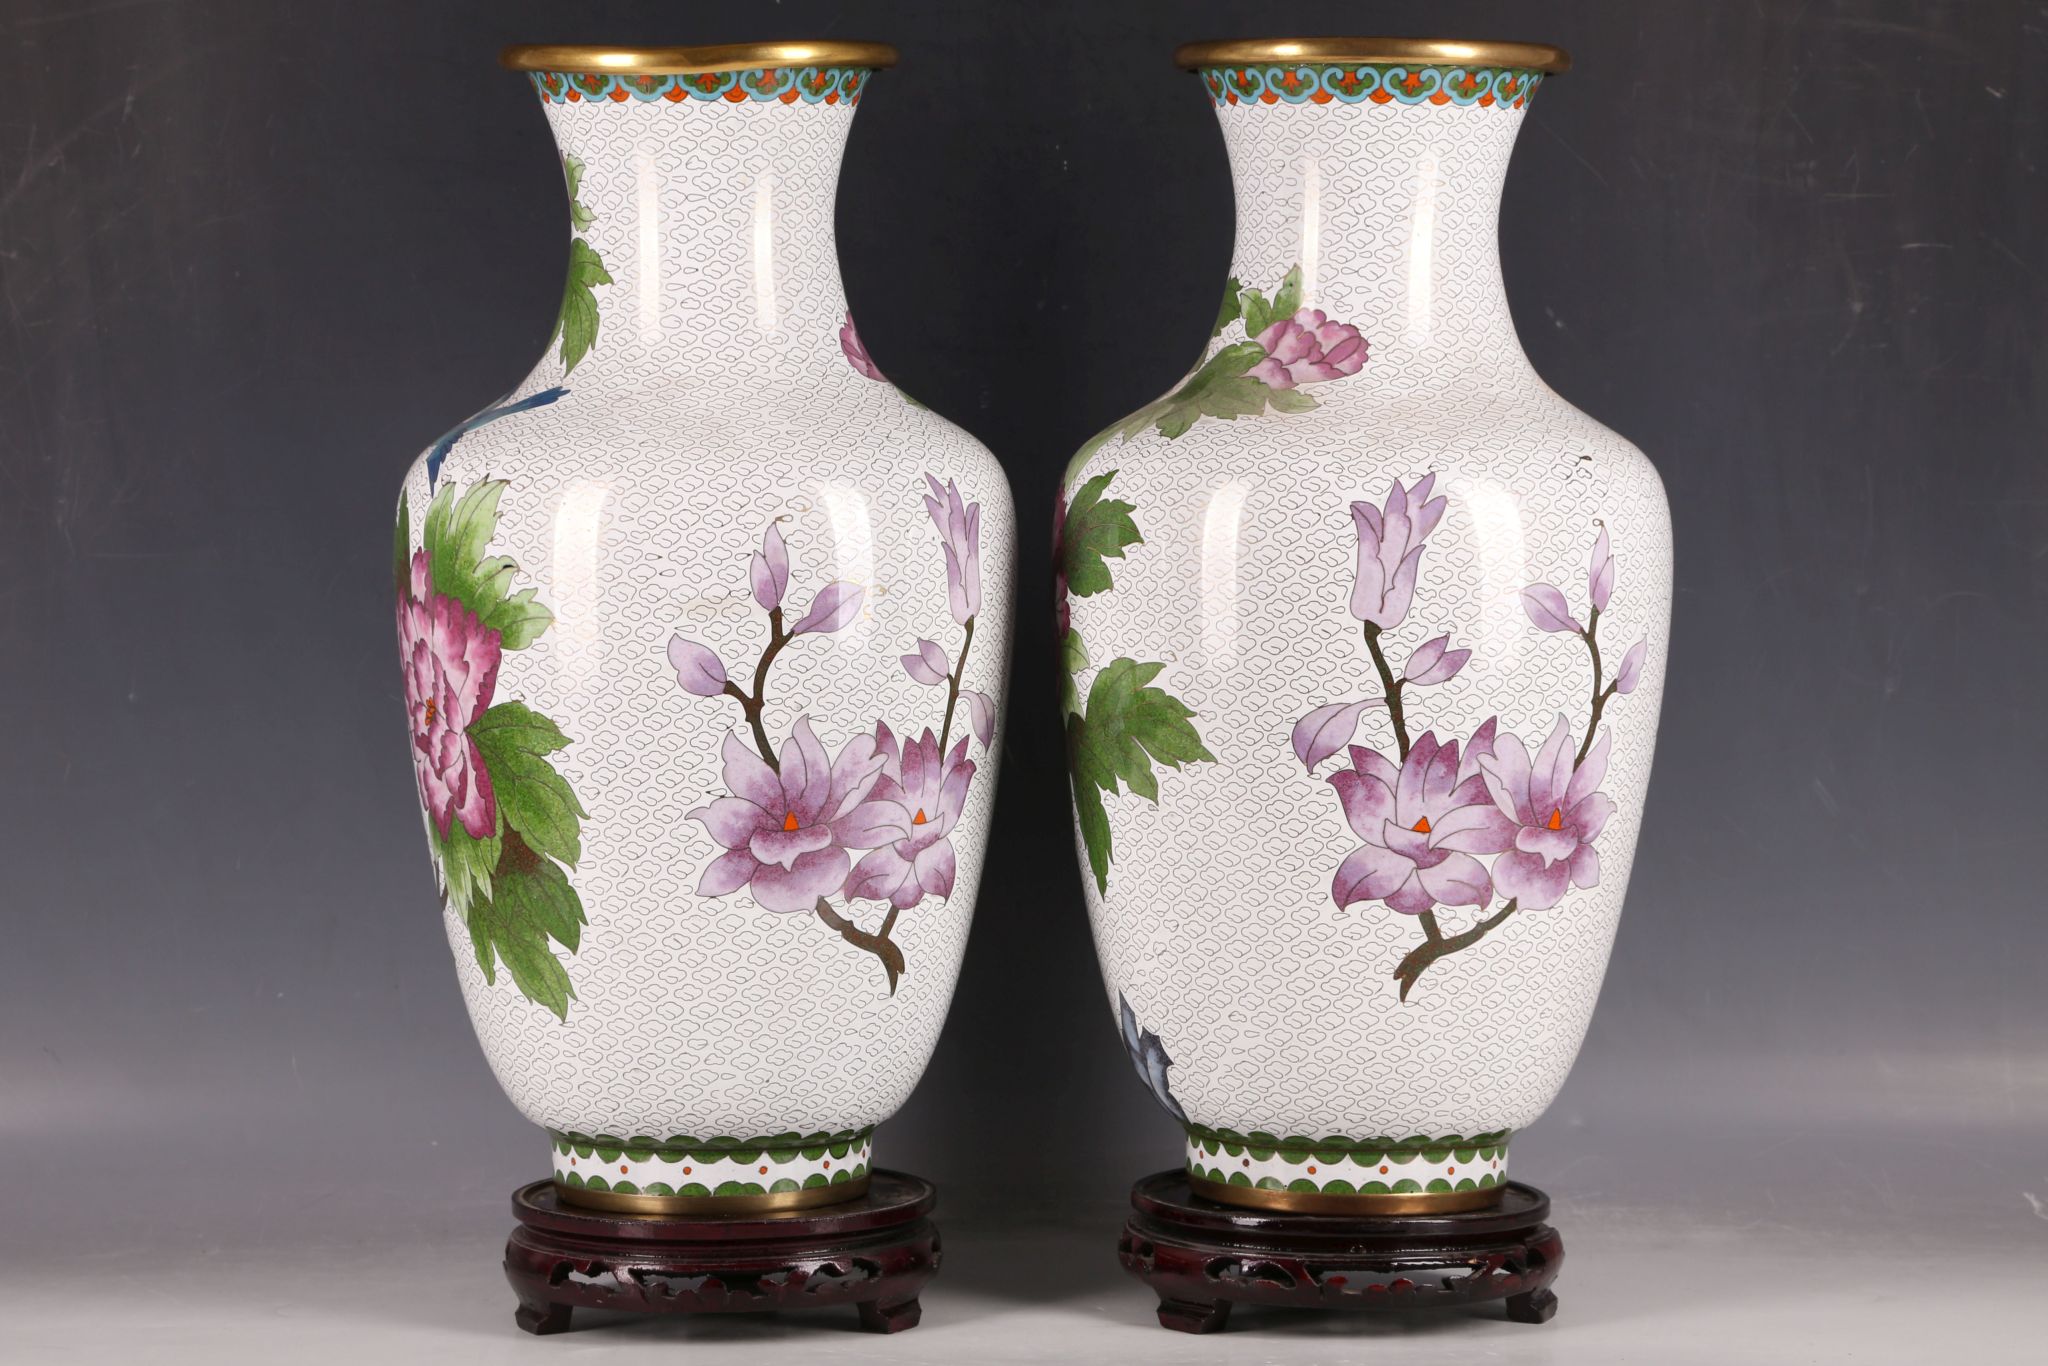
(455, 434)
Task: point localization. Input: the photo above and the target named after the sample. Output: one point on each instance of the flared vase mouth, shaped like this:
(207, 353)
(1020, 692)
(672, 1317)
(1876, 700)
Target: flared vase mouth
(1405, 52)
(597, 59)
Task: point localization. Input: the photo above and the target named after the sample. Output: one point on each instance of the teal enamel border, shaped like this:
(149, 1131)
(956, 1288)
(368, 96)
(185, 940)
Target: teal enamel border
(1391, 83)
(778, 84)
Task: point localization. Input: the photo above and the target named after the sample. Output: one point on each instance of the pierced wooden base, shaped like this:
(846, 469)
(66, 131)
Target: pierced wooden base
(874, 1253)
(1202, 1257)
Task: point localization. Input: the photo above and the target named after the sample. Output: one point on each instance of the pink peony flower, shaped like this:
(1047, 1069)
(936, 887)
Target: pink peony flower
(856, 354)
(910, 819)
(785, 832)
(1556, 814)
(1390, 544)
(1308, 348)
(1420, 825)
(451, 669)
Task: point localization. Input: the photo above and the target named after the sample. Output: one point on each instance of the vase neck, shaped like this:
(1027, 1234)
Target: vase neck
(1382, 185)
(701, 248)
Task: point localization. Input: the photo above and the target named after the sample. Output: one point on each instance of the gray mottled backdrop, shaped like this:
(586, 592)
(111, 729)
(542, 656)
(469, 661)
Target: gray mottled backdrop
(253, 256)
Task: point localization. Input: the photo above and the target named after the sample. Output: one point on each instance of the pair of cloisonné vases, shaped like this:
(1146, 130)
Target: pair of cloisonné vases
(705, 630)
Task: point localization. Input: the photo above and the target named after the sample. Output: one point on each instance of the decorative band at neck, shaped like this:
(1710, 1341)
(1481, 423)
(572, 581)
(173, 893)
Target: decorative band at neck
(1433, 71)
(810, 72)
(778, 84)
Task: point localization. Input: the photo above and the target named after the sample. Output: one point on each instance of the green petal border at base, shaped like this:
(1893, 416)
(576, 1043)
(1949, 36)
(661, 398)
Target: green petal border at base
(1371, 1152)
(783, 1147)
(697, 1189)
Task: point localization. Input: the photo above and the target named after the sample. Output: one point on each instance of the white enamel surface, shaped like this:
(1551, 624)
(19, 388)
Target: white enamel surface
(1277, 1008)
(717, 399)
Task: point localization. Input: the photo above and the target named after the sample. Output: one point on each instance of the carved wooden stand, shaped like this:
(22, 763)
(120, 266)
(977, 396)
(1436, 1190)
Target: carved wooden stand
(1202, 1257)
(874, 1253)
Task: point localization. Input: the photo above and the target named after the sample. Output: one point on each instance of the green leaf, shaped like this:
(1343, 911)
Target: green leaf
(480, 944)
(580, 218)
(1073, 659)
(1097, 529)
(536, 971)
(516, 726)
(1287, 299)
(458, 528)
(577, 325)
(1220, 388)
(1073, 652)
(1232, 310)
(531, 797)
(401, 548)
(540, 893)
(467, 865)
(519, 618)
(1088, 811)
(1257, 313)
(1131, 726)
(1128, 727)
(1290, 400)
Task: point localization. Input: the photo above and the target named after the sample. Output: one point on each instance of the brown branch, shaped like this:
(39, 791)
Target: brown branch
(752, 704)
(1392, 686)
(953, 692)
(1422, 955)
(1591, 636)
(880, 945)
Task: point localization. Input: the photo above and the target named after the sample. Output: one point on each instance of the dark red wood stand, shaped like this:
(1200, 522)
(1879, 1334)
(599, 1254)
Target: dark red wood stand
(874, 1253)
(1201, 1257)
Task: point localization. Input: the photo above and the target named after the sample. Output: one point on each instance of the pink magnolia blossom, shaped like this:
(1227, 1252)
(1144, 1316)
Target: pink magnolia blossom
(1419, 826)
(698, 669)
(786, 832)
(1556, 814)
(1434, 662)
(929, 665)
(1308, 348)
(857, 354)
(910, 819)
(451, 670)
(1631, 671)
(768, 570)
(1328, 729)
(1600, 573)
(1390, 543)
(959, 525)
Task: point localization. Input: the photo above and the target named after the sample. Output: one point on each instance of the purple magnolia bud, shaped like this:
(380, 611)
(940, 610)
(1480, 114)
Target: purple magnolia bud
(1631, 671)
(834, 609)
(981, 710)
(929, 665)
(1600, 573)
(1328, 729)
(1548, 609)
(697, 668)
(769, 569)
(1435, 663)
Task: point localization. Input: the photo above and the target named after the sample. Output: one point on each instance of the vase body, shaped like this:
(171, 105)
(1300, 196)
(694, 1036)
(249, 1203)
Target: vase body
(705, 630)
(1354, 859)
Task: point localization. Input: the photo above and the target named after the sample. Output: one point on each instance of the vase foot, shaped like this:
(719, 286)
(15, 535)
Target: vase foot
(875, 1254)
(1201, 1257)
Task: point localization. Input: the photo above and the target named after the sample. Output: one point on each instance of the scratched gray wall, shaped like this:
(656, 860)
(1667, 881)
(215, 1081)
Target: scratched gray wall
(253, 256)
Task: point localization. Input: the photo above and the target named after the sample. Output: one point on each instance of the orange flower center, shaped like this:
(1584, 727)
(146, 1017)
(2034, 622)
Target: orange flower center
(433, 710)
(1556, 821)
(1421, 827)
(919, 818)
(789, 821)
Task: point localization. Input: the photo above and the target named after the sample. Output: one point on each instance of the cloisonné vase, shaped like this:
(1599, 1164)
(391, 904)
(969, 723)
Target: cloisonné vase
(1364, 632)
(704, 628)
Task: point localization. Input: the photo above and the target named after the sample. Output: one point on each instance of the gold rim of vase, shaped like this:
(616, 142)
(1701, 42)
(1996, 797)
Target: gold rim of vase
(692, 61)
(1322, 1202)
(1374, 52)
(775, 1202)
